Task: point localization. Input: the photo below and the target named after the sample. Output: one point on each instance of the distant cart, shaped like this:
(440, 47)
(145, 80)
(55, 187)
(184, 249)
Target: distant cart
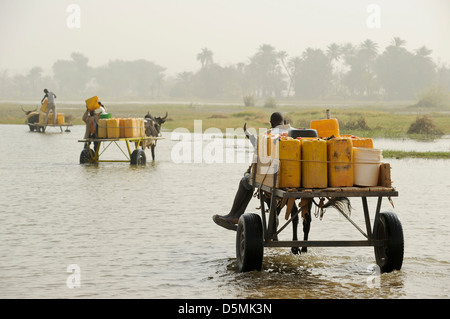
(42, 128)
(134, 157)
(255, 232)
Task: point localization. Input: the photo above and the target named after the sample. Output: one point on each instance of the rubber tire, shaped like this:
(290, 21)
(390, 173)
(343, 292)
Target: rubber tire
(85, 156)
(390, 256)
(138, 157)
(249, 243)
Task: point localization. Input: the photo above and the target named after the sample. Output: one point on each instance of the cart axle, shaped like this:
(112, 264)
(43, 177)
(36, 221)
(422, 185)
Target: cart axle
(323, 243)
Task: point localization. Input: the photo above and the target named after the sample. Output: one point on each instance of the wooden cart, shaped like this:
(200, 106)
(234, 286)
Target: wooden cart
(135, 157)
(255, 232)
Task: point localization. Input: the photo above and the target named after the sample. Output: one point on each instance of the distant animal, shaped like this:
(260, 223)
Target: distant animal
(152, 129)
(32, 118)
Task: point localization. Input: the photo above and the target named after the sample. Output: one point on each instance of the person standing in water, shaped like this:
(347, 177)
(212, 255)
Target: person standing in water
(51, 106)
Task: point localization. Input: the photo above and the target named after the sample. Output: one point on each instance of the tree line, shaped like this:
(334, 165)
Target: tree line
(341, 71)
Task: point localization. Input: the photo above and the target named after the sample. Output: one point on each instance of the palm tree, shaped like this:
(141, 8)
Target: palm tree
(370, 48)
(266, 49)
(397, 42)
(283, 55)
(334, 52)
(205, 57)
(314, 77)
(347, 49)
(294, 65)
(265, 68)
(308, 53)
(423, 51)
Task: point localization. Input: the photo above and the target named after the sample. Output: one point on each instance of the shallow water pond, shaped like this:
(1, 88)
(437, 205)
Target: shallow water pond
(147, 232)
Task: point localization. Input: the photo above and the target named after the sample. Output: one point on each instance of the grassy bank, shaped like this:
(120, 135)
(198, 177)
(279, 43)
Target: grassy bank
(404, 154)
(389, 120)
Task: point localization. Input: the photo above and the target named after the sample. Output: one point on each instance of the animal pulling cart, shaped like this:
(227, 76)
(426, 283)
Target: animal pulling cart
(255, 232)
(134, 157)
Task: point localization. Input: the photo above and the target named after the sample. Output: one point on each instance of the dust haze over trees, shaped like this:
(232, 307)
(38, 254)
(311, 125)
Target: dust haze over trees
(339, 71)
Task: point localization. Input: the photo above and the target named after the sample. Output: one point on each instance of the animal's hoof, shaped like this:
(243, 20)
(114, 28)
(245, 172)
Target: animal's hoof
(295, 250)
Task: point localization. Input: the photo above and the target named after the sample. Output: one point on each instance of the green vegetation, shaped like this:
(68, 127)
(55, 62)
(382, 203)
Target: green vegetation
(365, 121)
(424, 125)
(393, 121)
(404, 154)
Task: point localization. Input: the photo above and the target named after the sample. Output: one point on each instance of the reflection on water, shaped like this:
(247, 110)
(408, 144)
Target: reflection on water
(147, 232)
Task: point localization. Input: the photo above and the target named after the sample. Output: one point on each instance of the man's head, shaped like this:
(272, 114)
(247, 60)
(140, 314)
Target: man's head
(45, 91)
(276, 119)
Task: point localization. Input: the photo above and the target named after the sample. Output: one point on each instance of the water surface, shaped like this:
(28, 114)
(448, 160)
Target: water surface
(147, 232)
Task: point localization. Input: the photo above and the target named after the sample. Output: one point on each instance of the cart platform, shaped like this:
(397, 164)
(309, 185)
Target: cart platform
(135, 157)
(41, 127)
(255, 232)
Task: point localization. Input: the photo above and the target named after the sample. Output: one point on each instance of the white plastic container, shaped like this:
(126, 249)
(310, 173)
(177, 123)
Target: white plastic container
(367, 163)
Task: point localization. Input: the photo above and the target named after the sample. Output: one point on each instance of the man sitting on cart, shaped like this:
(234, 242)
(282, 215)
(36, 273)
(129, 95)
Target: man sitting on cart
(245, 190)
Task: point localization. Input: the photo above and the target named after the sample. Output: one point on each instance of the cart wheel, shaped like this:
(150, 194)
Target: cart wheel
(85, 156)
(138, 157)
(249, 243)
(31, 128)
(389, 256)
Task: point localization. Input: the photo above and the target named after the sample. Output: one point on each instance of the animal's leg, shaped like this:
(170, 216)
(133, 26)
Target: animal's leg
(153, 151)
(294, 250)
(306, 224)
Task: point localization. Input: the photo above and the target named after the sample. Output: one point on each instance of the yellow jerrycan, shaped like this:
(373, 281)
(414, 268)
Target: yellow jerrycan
(340, 162)
(314, 163)
(113, 129)
(289, 154)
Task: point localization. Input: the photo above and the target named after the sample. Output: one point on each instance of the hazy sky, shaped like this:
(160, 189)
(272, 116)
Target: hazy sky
(171, 33)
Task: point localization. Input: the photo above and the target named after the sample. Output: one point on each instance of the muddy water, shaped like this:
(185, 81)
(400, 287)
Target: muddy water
(115, 231)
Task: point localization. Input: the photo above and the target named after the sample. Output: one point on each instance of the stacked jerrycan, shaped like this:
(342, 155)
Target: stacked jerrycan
(289, 150)
(109, 127)
(340, 162)
(314, 163)
(113, 127)
(121, 127)
(289, 153)
(351, 160)
(320, 157)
